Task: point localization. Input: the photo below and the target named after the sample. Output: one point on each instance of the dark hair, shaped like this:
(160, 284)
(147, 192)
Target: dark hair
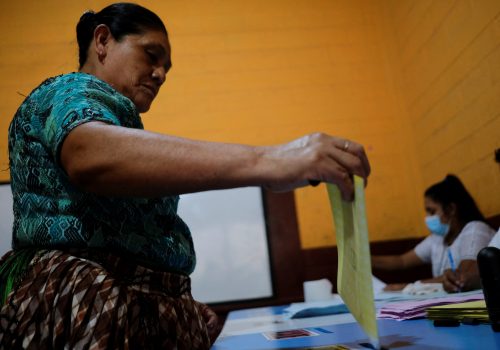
(451, 190)
(121, 18)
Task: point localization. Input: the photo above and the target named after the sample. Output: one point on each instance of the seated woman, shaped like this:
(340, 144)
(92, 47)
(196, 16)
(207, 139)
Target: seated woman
(458, 233)
(100, 257)
(465, 279)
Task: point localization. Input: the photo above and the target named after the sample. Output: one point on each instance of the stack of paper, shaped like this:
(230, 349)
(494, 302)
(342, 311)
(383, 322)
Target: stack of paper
(406, 310)
(473, 310)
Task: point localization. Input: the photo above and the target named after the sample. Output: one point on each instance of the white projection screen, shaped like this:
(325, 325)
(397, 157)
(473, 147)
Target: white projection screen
(229, 233)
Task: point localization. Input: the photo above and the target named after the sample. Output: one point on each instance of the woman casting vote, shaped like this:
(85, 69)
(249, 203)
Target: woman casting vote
(100, 256)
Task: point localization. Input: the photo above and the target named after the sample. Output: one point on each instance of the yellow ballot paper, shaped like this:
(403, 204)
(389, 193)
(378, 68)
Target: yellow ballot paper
(354, 278)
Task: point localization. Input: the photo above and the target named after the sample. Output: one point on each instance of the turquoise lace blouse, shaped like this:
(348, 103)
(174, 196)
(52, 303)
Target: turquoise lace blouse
(50, 212)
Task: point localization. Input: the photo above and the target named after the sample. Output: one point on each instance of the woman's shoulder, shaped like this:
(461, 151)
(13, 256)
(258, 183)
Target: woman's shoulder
(73, 80)
(63, 82)
(64, 94)
(71, 87)
(64, 79)
(478, 227)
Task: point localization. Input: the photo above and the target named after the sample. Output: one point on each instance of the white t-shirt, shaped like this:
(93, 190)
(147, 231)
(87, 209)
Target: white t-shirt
(495, 242)
(474, 236)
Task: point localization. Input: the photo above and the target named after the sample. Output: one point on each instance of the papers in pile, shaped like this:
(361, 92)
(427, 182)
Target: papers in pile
(406, 310)
(472, 310)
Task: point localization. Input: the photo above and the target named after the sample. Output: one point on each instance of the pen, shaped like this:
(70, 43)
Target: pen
(452, 264)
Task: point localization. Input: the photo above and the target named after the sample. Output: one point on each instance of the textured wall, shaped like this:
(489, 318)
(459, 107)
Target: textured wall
(414, 81)
(450, 73)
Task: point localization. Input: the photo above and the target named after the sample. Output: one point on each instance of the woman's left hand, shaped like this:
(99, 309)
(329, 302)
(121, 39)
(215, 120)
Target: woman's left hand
(212, 321)
(394, 287)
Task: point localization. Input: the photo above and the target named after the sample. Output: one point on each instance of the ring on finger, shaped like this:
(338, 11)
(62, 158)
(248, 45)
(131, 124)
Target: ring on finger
(346, 145)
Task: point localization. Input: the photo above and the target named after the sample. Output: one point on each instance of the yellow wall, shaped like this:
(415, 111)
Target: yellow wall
(267, 71)
(449, 53)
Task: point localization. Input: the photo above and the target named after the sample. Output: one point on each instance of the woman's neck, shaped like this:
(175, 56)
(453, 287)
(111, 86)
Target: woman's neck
(455, 228)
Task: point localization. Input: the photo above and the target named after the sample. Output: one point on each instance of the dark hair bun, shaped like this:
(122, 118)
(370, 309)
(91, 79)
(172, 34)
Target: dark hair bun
(452, 179)
(87, 15)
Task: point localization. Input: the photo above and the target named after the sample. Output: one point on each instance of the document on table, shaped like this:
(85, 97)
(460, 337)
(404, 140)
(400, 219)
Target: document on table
(268, 323)
(473, 310)
(317, 308)
(354, 278)
(410, 309)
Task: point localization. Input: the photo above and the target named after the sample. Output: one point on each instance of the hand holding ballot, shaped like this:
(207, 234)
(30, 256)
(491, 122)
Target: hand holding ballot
(313, 158)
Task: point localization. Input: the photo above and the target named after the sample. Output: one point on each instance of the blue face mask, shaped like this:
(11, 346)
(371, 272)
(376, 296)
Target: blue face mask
(435, 225)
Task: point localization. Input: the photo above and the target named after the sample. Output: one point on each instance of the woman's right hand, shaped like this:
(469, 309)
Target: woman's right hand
(318, 157)
(464, 278)
(452, 281)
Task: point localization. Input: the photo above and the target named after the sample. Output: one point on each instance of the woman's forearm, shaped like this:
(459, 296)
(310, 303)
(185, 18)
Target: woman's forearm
(386, 262)
(111, 160)
(396, 262)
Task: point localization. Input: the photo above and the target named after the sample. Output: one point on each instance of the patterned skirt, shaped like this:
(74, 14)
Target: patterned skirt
(100, 301)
